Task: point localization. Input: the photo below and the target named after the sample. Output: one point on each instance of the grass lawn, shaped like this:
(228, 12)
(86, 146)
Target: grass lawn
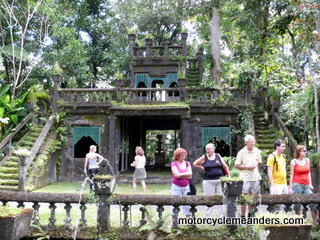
(64, 187)
(91, 211)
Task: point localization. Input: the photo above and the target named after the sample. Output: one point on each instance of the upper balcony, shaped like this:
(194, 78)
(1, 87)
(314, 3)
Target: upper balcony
(151, 96)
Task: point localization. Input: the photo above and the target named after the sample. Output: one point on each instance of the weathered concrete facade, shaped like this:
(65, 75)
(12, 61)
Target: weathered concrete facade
(188, 120)
(117, 120)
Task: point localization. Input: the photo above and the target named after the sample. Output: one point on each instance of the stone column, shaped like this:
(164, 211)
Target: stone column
(148, 45)
(103, 213)
(57, 79)
(184, 37)
(22, 172)
(166, 43)
(112, 154)
(132, 39)
(200, 64)
(184, 132)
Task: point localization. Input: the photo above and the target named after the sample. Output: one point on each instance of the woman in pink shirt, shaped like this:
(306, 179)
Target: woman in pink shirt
(182, 173)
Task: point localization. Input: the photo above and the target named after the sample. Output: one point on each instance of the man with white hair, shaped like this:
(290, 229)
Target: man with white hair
(247, 162)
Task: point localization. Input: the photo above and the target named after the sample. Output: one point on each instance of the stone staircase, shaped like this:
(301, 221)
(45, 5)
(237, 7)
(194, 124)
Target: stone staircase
(266, 134)
(9, 171)
(193, 77)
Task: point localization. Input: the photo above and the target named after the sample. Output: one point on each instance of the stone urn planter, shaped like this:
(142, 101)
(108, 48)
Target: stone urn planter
(104, 184)
(231, 186)
(16, 225)
(182, 82)
(119, 83)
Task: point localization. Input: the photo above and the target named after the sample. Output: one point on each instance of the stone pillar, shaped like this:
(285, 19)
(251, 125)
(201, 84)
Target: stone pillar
(112, 154)
(132, 41)
(184, 37)
(231, 191)
(148, 45)
(22, 172)
(57, 79)
(200, 64)
(184, 132)
(166, 43)
(103, 213)
(182, 84)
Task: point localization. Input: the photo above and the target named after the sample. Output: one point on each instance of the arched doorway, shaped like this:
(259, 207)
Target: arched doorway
(82, 138)
(81, 148)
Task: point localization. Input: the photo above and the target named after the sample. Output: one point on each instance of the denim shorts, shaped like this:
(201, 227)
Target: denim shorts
(302, 189)
(177, 190)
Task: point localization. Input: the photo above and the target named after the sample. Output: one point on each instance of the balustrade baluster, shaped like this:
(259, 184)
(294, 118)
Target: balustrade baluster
(20, 205)
(253, 210)
(193, 211)
(270, 208)
(160, 210)
(287, 208)
(83, 219)
(68, 219)
(125, 210)
(52, 218)
(36, 218)
(143, 220)
(305, 210)
(176, 210)
(318, 208)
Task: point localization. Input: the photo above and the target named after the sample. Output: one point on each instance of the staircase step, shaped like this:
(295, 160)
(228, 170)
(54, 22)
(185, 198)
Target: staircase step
(9, 163)
(9, 170)
(9, 176)
(265, 146)
(15, 188)
(265, 141)
(9, 182)
(268, 131)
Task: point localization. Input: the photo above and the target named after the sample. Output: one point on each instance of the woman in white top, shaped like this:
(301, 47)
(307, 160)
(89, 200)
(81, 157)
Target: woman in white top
(92, 164)
(140, 171)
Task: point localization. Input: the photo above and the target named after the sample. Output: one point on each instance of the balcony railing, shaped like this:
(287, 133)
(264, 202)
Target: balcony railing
(159, 204)
(82, 97)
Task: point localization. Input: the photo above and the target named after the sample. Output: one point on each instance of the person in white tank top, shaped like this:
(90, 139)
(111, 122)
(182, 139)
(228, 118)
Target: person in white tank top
(91, 163)
(140, 171)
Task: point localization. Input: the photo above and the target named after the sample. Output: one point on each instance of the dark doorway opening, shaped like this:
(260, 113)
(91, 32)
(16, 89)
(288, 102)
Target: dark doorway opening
(81, 148)
(144, 131)
(222, 147)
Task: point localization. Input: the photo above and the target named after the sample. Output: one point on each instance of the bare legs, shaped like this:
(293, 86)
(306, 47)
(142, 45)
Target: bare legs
(143, 184)
(144, 187)
(134, 184)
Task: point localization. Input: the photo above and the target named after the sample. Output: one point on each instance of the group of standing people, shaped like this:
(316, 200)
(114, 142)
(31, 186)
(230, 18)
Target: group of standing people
(248, 162)
(212, 164)
(300, 182)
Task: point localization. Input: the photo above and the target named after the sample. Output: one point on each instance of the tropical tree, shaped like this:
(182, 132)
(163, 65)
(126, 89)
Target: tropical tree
(24, 29)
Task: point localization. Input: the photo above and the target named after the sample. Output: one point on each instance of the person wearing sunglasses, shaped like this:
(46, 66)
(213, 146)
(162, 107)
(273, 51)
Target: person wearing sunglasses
(300, 179)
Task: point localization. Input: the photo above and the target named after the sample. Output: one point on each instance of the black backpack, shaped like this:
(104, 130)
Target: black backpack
(275, 162)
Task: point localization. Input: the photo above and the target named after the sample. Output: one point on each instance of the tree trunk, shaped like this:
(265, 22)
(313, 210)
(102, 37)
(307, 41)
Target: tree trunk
(316, 106)
(295, 56)
(215, 46)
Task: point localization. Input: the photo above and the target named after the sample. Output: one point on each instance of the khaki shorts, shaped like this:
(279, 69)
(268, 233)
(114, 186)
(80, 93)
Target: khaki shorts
(252, 187)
